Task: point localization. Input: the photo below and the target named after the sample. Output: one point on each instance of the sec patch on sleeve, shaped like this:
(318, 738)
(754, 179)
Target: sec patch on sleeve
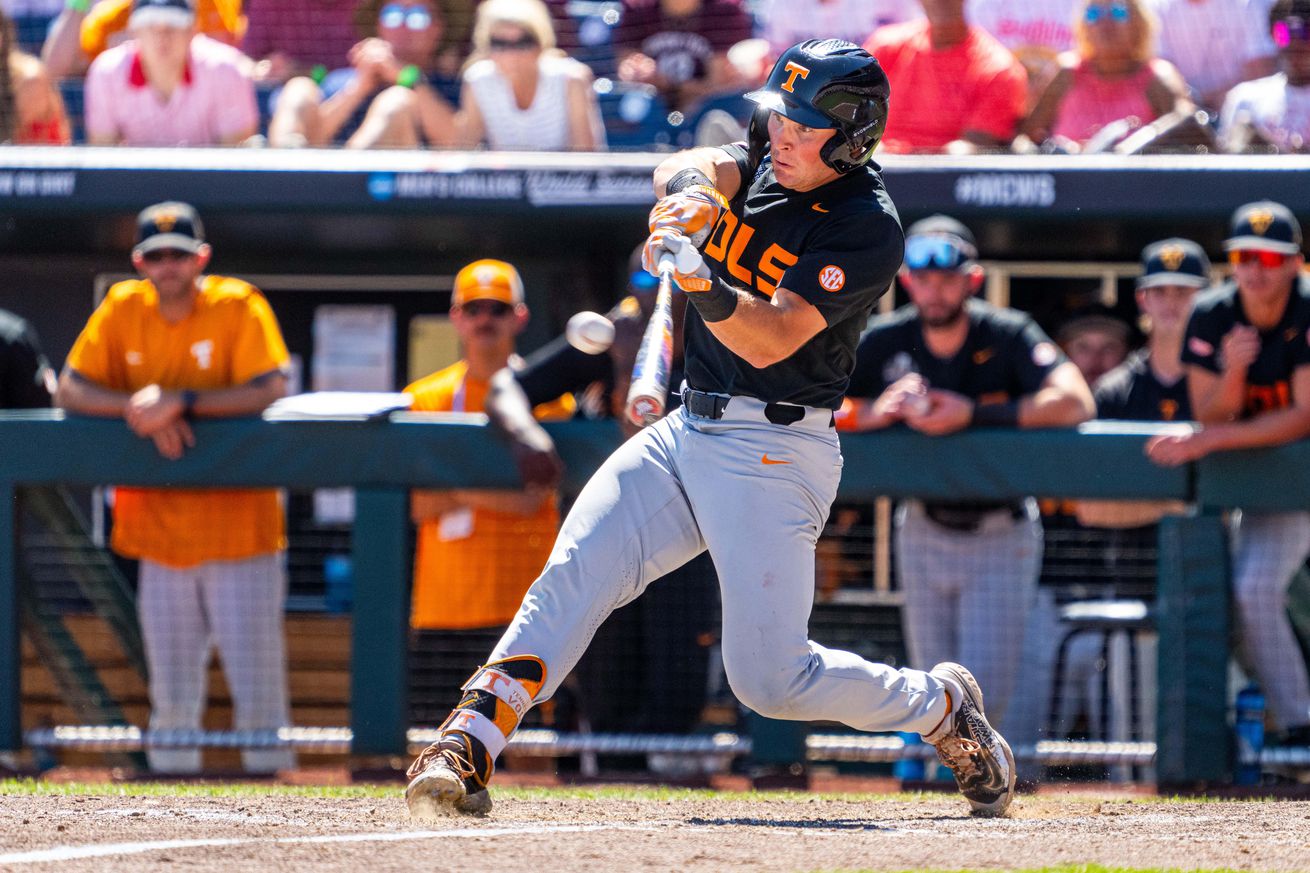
(832, 278)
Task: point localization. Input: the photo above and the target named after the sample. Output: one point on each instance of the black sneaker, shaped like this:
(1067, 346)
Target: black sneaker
(979, 757)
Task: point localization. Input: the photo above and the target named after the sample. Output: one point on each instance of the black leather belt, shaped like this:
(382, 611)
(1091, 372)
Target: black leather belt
(710, 405)
(968, 517)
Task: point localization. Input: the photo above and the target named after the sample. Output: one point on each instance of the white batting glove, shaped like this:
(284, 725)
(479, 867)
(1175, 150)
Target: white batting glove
(691, 273)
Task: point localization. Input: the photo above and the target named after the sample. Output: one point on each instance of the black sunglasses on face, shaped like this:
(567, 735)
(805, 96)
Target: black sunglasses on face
(494, 308)
(523, 43)
(158, 256)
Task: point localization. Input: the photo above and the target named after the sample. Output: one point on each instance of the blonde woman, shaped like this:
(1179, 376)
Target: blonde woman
(31, 110)
(519, 92)
(1111, 74)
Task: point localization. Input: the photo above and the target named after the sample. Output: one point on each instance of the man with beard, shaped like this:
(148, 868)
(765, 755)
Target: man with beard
(941, 364)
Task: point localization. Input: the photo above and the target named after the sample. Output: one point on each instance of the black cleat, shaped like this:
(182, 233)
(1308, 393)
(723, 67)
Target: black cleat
(979, 757)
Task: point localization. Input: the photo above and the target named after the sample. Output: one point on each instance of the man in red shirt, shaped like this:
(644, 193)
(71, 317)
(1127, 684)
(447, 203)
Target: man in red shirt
(954, 87)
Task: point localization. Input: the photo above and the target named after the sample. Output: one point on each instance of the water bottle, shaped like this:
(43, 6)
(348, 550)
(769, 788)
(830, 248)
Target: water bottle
(909, 767)
(1249, 726)
(338, 583)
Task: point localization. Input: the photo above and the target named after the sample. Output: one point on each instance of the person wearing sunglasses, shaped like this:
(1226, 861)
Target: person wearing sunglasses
(519, 91)
(1111, 75)
(1273, 113)
(942, 363)
(161, 351)
(477, 550)
(1248, 376)
(389, 96)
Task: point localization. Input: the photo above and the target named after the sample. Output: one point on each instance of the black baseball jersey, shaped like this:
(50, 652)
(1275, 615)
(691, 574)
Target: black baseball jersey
(1282, 349)
(1132, 392)
(23, 368)
(837, 246)
(1005, 355)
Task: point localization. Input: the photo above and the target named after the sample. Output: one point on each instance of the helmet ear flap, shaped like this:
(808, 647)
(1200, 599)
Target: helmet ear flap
(757, 137)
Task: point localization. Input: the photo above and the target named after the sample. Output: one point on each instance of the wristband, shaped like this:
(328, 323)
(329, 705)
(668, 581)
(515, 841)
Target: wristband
(996, 414)
(686, 179)
(716, 304)
(188, 404)
(318, 73)
(82, 6)
(409, 76)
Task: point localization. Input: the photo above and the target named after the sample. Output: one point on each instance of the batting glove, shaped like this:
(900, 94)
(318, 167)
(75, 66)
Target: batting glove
(690, 272)
(692, 211)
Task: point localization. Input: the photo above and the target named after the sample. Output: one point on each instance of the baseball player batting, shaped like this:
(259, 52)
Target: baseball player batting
(804, 239)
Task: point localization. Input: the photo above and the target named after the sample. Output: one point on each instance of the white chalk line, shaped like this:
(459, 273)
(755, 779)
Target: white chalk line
(104, 850)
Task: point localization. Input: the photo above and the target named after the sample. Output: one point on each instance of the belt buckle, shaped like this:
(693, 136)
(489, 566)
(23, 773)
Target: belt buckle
(705, 404)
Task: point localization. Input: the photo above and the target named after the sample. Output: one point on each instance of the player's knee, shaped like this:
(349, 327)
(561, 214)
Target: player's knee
(1255, 591)
(769, 694)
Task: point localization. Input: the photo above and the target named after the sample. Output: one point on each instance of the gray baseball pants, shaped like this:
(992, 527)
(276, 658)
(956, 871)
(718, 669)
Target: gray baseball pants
(757, 496)
(968, 594)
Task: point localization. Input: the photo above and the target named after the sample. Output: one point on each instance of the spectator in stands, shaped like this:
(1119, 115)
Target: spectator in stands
(291, 37)
(26, 380)
(1215, 44)
(1036, 32)
(168, 85)
(968, 91)
(31, 110)
(940, 364)
(161, 351)
(681, 47)
(457, 42)
(82, 31)
(1096, 340)
(478, 551)
(392, 75)
(787, 22)
(1111, 76)
(1248, 377)
(1273, 113)
(519, 92)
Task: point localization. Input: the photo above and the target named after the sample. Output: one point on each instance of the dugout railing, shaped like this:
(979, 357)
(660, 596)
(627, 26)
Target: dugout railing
(383, 458)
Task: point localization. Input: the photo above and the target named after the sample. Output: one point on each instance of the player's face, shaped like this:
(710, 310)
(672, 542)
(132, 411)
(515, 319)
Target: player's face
(488, 325)
(1095, 353)
(1265, 282)
(173, 272)
(1167, 307)
(939, 295)
(795, 149)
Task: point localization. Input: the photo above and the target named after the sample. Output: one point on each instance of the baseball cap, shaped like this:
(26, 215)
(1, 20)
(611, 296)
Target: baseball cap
(939, 242)
(487, 280)
(1174, 261)
(1264, 226)
(171, 13)
(170, 225)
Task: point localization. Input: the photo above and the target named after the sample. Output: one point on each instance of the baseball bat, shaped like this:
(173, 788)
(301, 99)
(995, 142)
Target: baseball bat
(650, 373)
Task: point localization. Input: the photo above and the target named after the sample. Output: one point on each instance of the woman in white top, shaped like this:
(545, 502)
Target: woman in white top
(519, 92)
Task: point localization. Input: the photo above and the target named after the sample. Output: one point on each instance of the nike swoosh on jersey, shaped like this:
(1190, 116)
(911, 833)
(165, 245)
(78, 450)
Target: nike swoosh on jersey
(818, 207)
(765, 459)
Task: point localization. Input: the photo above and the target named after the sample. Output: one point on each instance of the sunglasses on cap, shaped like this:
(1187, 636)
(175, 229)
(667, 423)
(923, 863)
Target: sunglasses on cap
(1251, 256)
(158, 256)
(936, 253)
(395, 15)
(1098, 12)
(523, 43)
(494, 308)
(1290, 30)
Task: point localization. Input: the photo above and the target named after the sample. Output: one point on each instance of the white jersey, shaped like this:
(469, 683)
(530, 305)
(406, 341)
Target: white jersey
(1278, 111)
(543, 126)
(1035, 31)
(787, 22)
(1210, 40)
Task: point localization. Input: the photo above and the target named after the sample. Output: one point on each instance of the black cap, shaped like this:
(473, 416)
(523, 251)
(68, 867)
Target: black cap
(175, 13)
(171, 225)
(939, 242)
(1264, 226)
(1174, 261)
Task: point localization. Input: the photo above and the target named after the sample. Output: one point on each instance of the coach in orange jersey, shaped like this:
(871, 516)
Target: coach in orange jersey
(160, 351)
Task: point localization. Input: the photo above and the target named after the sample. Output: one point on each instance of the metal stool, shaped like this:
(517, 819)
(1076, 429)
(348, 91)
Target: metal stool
(1125, 620)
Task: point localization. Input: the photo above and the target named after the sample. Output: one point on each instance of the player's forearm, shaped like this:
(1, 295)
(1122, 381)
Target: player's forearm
(1222, 401)
(1054, 407)
(251, 398)
(1269, 429)
(1125, 513)
(705, 160)
(80, 395)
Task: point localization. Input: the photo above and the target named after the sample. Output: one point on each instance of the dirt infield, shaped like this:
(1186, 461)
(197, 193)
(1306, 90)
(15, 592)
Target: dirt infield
(559, 831)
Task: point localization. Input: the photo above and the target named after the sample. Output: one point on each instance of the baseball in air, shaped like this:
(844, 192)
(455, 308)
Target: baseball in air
(590, 332)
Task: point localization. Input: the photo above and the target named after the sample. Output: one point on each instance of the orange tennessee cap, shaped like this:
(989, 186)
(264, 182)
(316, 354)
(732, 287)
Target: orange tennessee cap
(488, 280)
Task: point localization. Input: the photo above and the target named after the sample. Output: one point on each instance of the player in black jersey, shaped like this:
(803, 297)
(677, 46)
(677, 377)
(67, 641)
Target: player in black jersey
(799, 240)
(941, 363)
(1247, 354)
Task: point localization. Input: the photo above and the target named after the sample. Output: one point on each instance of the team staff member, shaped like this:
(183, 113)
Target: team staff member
(1248, 376)
(159, 351)
(477, 550)
(804, 240)
(942, 363)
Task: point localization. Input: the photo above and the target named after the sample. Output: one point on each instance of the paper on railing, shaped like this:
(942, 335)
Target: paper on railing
(339, 404)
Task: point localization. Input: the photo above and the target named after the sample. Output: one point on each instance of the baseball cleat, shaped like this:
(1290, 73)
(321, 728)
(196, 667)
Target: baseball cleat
(440, 785)
(976, 754)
